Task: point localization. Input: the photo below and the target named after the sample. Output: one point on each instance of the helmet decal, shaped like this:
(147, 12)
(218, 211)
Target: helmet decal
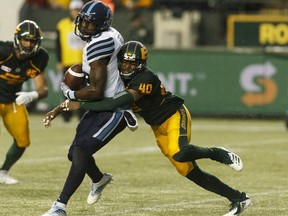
(129, 56)
(144, 53)
(91, 7)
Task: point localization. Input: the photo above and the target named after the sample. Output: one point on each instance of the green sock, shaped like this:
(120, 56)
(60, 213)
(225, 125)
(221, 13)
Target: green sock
(12, 156)
(213, 184)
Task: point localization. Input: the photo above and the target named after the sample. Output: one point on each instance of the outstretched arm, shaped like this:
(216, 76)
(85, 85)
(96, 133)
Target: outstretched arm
(52, 114)
(123, 99)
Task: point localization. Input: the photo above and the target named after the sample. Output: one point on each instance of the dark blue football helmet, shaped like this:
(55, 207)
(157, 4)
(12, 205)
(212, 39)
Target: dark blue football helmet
(94, 18)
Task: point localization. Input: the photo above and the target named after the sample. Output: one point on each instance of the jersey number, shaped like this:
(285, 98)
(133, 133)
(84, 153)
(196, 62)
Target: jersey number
(145, 88)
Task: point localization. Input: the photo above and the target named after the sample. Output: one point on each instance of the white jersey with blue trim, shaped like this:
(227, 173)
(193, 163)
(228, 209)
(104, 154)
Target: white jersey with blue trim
(107, 43)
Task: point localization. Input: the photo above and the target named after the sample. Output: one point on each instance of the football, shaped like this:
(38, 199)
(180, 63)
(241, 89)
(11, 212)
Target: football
(74, 77)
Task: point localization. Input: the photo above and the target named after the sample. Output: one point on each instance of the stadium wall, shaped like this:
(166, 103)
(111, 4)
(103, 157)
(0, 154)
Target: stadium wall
(241, 83)
(9, 18)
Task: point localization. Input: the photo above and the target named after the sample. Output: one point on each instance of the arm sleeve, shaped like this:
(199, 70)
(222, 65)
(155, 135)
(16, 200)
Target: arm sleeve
(123, 99)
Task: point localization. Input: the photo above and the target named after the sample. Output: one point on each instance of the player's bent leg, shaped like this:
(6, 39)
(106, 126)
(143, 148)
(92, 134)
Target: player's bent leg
(213, 184)
(192, 152)
(101, 134)
(239, 200)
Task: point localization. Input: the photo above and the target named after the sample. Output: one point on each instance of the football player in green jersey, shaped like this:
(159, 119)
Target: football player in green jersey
(170, 121)
(19, 61)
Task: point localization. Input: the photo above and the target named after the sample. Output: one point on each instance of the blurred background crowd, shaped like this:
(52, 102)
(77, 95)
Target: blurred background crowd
(238, 47)
(161, 23)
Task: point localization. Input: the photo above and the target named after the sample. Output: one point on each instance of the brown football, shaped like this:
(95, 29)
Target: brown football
(74, 77)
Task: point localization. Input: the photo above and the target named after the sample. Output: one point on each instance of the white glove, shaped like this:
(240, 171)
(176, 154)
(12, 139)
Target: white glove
(67, 92)
(26, 97)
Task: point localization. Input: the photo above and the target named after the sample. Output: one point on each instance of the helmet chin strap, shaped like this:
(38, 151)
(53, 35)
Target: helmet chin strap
(139, 67)
(27, 52)
(17, 45)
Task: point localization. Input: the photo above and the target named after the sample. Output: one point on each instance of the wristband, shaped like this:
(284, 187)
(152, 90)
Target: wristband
(71, 95)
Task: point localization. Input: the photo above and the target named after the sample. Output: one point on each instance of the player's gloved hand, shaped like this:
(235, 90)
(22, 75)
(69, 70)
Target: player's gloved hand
(26, 97)
(67, 92)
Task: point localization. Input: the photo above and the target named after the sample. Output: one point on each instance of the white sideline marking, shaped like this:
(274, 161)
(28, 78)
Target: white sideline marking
(163, 206)
(240, 128)
(185, 205)
(149, 149)
(134, 151)
(257, 142)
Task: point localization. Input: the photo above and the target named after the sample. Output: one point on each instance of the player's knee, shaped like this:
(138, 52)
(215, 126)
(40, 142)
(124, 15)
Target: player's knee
(179, 156)
(183, 170)
(70, 153)
(79, 155)
(23, 143)
(183, 155)
(69, 156)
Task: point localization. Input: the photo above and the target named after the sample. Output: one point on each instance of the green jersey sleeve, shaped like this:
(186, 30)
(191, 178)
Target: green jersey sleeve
(123, 100)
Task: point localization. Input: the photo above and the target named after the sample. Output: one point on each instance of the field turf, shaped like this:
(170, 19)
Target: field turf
(145, 183)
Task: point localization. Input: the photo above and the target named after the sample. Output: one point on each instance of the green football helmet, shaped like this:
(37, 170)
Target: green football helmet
(134, 52)
(27, 30)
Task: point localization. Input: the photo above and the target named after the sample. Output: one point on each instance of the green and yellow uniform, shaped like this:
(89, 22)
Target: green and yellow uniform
(162, 110)
(13, 73)
(165, 113)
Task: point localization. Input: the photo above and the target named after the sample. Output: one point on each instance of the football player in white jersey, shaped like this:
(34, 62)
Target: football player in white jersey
(95, 129)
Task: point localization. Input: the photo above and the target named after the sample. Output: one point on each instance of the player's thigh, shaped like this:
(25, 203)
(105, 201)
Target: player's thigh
(95, 130)
(167, 135)
(169, 146)
(15, 120)
(178, 130)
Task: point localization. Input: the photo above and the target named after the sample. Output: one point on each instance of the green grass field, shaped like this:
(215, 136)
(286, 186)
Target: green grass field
(145, 183)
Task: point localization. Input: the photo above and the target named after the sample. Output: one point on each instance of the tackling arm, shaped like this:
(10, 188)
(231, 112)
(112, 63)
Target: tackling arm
(51, 115)
(121, 100)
